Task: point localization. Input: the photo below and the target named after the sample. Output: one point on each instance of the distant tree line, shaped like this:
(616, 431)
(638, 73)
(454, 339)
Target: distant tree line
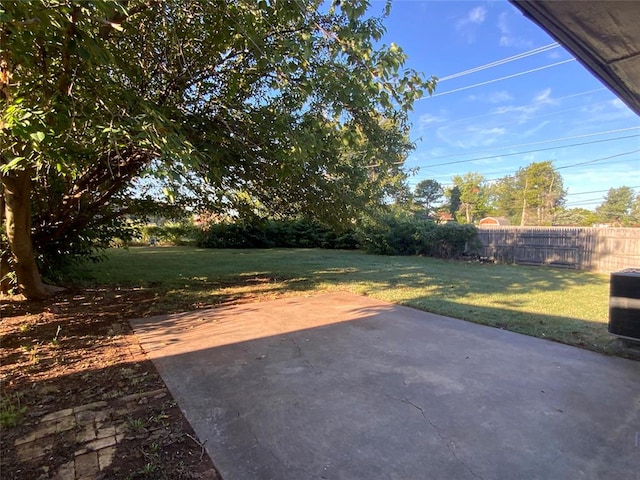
(533, 196)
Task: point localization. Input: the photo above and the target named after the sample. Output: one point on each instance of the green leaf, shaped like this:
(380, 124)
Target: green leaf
(12, 165)
(37, 136)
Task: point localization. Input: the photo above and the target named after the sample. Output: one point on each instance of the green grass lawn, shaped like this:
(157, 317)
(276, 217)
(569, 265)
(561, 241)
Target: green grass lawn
(568, 306)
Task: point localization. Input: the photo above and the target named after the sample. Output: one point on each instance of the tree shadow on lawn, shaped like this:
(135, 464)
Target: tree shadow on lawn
(446, 287)
(437, 286)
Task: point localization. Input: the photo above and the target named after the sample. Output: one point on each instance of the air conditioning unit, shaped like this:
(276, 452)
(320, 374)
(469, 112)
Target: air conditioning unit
(624, 304)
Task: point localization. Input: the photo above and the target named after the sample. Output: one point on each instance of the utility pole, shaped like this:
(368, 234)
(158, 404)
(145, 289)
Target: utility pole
(524, 202)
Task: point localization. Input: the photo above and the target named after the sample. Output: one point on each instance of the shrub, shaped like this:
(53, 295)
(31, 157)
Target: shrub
(275, 233)
(398, 234)
(450, 240)
(389, 234)
(168, 234)
(234, 235)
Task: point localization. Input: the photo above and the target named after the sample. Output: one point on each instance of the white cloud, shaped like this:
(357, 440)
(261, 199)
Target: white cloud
(523, 113)
(604, 112)
(438, 152)
(543, 97)
(494, 97)
(466, 25)
(554, 55)
(507, 37)
(536, 129)
(470, 137)
(427, 119)
(477, 15)
(600, 178)
(499, 97)
(619, 104)
(593, 108)
(520, 113)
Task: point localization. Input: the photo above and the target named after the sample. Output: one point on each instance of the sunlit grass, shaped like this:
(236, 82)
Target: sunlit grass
(564, 305)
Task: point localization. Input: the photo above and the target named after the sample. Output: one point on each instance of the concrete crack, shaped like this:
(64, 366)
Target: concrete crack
(442, 437)
(298, 347)
(271, 452)
(299, 354)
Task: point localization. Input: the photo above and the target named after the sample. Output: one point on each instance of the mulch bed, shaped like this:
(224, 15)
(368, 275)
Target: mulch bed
(78, 349)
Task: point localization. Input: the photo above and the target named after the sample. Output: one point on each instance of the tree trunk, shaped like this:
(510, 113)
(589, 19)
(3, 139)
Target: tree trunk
(5, 267)
(5, 264)
(5, 271)
(17, 193)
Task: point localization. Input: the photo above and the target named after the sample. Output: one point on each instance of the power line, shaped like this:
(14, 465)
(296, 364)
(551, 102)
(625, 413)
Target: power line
(597, 160)
(513, 58)
(584, 202)
(595, 191)
(500, 79)
(561, 139)
(592, 161)
(493, 179)
(520, 107)
(531, 151)
(557, 168)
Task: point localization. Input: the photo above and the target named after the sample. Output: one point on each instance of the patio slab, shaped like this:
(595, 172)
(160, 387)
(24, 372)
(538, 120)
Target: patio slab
(340, 386)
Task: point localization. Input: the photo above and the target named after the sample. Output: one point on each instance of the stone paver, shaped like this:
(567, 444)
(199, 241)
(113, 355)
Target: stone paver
(85, 417)
(57, 415)
(66, 472)
(106, 432)
(98, 427)
(90, 406)
(87, 465)
(65, 423)
(105, 457)
(34, 449)
(86, 434)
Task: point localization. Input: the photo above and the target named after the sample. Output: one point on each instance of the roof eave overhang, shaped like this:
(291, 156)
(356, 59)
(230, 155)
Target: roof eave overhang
(623, 79)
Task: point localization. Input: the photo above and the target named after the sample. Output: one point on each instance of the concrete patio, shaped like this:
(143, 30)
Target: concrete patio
(339, 386)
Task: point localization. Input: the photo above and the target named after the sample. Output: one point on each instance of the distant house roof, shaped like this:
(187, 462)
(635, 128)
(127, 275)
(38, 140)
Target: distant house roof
(444, 217)
(495, 221)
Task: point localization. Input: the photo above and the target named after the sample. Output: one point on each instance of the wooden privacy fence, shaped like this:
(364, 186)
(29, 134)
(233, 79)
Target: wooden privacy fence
(597, 249)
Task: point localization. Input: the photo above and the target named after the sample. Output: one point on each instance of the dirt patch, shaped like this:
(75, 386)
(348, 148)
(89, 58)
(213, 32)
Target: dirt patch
(76, 353)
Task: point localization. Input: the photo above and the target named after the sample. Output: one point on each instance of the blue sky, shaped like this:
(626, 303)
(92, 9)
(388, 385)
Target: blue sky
(503, 125)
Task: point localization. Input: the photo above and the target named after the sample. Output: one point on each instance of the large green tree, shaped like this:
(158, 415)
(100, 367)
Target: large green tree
(540, 191)
(617, 207)
(580, 217)
(427, 194)
(284, 106)
(635, 211)
(452, 200)
(504, 198)
(474, 198)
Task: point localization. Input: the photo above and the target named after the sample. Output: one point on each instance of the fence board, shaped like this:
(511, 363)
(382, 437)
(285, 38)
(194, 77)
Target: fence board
(596, 249)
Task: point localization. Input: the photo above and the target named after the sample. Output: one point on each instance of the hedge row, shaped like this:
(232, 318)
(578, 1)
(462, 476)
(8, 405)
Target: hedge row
(385, 235)
(272, 233)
